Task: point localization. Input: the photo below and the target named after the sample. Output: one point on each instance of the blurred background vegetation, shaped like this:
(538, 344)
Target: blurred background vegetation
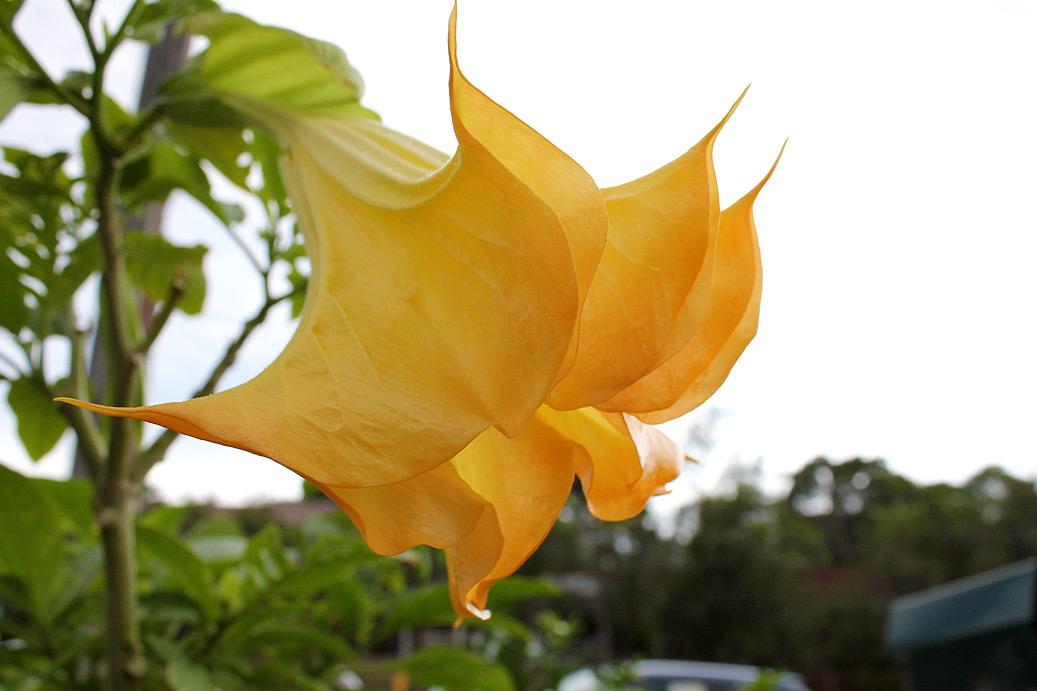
(103, 586)
(287, 596)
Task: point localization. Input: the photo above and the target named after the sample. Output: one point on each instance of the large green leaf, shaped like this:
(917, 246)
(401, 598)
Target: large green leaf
(149, 19)
(40, 425)
(32, 548)
(153, 263)
(175, 567)
(251, 68)
(457, 670)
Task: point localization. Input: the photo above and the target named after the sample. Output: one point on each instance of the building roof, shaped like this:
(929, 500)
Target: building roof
(989, 602)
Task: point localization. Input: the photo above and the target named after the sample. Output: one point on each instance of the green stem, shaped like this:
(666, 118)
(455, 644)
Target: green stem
(159, 319)
(88, 436)
(116, 492)
(61, 92)
(116, 513)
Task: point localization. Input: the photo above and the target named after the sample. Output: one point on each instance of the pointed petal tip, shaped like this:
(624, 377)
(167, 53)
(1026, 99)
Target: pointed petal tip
(730, 112)
(451, 36)
(774, 166)
(111, 411)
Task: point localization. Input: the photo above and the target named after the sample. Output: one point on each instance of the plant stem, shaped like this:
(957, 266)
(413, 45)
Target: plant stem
(61, 92)
(91, 445)
(115, 514)
(159, 319)
(116, 494)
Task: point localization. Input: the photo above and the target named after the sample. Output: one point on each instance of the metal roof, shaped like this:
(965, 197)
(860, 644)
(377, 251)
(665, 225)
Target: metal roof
(992, 601)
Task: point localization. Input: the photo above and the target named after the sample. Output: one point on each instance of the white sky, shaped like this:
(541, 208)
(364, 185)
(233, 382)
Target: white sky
(898, 236)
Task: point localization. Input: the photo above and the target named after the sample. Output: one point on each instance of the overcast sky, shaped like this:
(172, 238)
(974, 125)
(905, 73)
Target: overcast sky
(899, 237)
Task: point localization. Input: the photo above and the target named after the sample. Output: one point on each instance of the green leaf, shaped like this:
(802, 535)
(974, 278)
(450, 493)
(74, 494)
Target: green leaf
(83, 260)
(12, 91)
(167, 519)
(115, 118)
(153, 263)
(215, 549)
(263, 563)
(502, 623)
(511, 591)
(313, 578)
(170, 608)
(267, 153)
(425, 606)
(255, 69)
(15, 313)
(149, 19)
(457, 670)
(217, 524)
(290, 637)
(71, 501)
(175, 567)
(40, 425)
(164, 169)
(9, 8)
(185, 675)
(32, 548)
(223, 147)
(299, 285)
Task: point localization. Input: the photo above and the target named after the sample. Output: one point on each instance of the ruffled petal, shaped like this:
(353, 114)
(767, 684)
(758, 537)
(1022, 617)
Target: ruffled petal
(488, 508)
(527, 481)
(651, 288)
(444, 298)
(493, 504)
(697, 371)
(621, 461)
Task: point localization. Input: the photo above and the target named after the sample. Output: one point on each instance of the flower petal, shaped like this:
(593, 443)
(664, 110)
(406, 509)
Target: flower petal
(622, 462)
(488, 508)
(550, 174)
(650, 290)
(527, 481)
(443, 300)
(697, 371)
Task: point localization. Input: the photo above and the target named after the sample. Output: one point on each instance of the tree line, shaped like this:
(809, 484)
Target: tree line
(801, 581)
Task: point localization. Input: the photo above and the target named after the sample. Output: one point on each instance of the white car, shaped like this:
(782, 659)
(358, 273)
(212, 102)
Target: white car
(682, 675)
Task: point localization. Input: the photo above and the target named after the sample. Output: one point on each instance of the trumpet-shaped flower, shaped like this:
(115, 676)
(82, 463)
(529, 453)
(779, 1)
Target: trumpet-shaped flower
(484, 327)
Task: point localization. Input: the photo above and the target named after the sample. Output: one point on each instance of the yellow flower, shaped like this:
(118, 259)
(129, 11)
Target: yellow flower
(481, 328)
